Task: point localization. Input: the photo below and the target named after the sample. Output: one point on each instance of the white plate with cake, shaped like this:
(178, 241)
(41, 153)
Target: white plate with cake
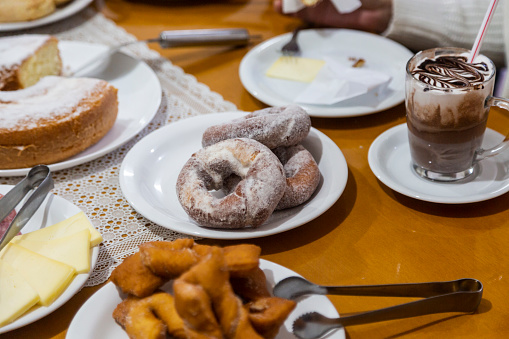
(149, 172)
(28, 17)
(334, 43)
(54, 209)
(137, 105)
(95, 320)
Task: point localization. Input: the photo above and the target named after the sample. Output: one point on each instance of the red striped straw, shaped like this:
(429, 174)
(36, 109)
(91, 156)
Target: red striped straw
(482, 31)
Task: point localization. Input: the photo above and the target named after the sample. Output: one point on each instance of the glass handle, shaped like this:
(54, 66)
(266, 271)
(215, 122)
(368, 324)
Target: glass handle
(486, 153)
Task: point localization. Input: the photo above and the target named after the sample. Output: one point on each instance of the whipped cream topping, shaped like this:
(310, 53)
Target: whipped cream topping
(16, 49)
(451, 72)
(53, 97)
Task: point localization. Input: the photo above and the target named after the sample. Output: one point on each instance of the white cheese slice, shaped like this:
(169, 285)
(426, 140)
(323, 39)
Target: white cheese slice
(16, 295)
(295, 68)
(47, 276)
(73, 250)
(64, 228)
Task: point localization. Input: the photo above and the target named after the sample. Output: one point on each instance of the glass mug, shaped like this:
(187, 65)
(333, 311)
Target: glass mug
(446, 124)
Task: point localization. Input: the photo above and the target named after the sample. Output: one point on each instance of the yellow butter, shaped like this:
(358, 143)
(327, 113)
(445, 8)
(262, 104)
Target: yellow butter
(295, 68)
(47, 276)
(73, 250)
(64, 228)
(16, 295)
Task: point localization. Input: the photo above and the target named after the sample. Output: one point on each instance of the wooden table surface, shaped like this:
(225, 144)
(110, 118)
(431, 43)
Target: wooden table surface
(371, 235)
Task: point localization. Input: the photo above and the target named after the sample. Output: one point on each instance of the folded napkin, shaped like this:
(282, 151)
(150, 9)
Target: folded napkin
(343, 6)
(338, 81)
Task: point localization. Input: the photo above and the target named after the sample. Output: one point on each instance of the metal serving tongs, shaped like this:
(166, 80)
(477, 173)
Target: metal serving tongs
(463, 295)
(38, 179)
(183, 38)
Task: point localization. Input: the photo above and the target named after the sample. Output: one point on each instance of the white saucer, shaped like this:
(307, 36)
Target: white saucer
(389, 159)
(315, 43)
(149, 172)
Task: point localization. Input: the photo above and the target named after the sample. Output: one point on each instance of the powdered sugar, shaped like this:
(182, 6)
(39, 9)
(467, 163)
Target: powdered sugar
(273, 127)
(16, 49)
(255, 197)
(52, 97)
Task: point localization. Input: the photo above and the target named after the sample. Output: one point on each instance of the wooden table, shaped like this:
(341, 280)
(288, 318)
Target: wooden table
(371, 235)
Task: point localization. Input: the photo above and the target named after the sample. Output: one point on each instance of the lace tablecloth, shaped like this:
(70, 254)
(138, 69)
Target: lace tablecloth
(94, 186)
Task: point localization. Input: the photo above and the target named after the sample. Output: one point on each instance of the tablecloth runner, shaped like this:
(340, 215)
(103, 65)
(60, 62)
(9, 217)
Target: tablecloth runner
(94, 186)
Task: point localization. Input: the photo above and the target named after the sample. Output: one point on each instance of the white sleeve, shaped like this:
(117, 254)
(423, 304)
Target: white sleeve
(421, 25)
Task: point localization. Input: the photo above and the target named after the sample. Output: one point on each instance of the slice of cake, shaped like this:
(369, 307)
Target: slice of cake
(24, 59)
(54, 119)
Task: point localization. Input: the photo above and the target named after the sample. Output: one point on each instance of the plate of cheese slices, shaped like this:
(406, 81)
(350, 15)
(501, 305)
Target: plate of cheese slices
(47, 264)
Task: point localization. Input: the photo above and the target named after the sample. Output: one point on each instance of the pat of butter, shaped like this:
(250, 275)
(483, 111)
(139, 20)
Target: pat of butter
(73, 250)
(64, 228)
(47, 276)
(16, 295)
(295, 68)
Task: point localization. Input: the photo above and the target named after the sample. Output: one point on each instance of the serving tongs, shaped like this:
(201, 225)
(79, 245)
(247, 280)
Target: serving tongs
(183, 38)
(39, 181)
(463, 295)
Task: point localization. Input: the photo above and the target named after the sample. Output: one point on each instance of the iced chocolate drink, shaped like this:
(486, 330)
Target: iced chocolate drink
(446, 111)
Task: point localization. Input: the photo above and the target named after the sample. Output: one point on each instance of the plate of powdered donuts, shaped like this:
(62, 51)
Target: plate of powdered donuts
(235, 175)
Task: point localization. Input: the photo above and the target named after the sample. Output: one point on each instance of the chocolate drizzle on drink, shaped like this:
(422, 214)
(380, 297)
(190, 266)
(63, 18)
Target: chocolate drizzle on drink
(451, 72)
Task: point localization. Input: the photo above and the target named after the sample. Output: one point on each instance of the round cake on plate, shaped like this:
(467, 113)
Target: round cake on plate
(54, 119)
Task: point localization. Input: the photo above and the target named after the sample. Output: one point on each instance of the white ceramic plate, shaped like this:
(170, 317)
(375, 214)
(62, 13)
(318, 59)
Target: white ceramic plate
(60, 13)
(53, 209)
(139, 97)
(381, 54)
(94, 319)
(389, 159)
(149, 172)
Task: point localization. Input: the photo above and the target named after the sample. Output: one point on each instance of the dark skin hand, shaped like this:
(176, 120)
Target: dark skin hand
(373, 16)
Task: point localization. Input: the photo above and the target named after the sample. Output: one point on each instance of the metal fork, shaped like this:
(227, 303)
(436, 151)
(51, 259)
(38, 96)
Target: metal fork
(463, 295)
(292, 48)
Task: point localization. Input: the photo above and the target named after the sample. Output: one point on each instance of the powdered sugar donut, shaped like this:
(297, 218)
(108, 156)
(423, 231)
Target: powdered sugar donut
(302, 175)
(262, 184)
(273, 127)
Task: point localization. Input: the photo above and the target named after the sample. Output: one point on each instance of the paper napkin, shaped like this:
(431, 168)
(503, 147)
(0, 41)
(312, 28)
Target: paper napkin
(337, 82)
(343, 6)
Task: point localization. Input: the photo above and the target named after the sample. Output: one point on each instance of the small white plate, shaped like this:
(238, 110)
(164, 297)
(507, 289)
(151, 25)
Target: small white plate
(149, 172)
(94, 319)
(389, 159)
(139, 97)
(60, 13)
(53, 209)
(381, 54)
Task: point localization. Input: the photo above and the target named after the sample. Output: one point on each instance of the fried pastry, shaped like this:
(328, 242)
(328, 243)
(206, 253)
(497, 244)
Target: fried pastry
(251, 286)
(268, 314)
(149, 317)
(211, 275)
(210, 286)
(132, 277)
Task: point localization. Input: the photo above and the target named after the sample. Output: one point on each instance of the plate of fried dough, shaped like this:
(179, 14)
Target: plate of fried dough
(183, 289)
(149, 173)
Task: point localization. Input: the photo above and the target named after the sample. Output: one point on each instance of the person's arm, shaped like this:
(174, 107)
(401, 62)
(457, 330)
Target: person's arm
(421, 24)
(417, 24)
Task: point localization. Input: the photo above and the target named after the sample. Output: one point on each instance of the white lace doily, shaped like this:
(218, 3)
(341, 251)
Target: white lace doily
(94, 186)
